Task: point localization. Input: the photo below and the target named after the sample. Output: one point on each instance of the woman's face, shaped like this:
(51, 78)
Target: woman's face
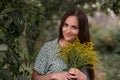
(70, 28)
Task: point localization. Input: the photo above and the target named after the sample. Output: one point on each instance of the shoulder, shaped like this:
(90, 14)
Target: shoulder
(51, 43)
(50, 47)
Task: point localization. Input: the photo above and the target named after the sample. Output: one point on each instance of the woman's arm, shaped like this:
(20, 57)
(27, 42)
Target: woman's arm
(37, 76)
(52, 76)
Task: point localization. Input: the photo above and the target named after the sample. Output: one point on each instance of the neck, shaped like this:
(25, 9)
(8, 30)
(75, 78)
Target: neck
(62, 42)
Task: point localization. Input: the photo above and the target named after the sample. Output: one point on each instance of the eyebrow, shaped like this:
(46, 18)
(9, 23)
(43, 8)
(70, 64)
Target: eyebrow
(72, 25)
(66, 23)
(75, 26)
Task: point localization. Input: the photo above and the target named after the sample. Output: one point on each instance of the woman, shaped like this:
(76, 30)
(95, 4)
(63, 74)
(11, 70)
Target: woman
(48, 66)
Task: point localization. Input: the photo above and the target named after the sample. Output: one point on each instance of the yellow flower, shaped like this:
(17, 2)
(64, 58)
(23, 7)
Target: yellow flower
(77, 54)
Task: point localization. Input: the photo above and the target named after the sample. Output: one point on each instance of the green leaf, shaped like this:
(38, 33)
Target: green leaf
(6, 75)
(7, 10)
(22, 77)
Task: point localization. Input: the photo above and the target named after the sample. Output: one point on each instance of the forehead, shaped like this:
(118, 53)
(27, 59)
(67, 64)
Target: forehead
(72, 20)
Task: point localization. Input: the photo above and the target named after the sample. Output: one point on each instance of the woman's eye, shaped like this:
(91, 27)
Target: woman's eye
(65, 24)
(74, 27)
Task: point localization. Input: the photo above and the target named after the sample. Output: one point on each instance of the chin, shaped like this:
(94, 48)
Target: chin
(69, 39)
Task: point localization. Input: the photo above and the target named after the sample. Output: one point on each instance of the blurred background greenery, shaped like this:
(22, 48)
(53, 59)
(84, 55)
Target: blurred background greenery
(26, 24)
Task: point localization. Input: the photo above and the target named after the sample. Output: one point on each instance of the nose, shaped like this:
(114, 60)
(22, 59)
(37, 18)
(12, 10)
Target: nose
(68, 30)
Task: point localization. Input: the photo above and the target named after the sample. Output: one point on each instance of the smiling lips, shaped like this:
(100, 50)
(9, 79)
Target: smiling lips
(68, 35)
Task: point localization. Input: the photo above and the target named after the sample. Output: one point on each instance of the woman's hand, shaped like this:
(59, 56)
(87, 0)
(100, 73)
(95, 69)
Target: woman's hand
(61, 76)
(77, 74)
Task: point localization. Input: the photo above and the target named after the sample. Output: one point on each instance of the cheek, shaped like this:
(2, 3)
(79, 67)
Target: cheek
(76, 32)
(63, 29)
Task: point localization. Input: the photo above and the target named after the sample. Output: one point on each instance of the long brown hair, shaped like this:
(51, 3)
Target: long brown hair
(82, 23)
(83, 35)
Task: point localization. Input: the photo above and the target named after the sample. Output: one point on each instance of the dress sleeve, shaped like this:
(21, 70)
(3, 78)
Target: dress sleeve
(41, 61)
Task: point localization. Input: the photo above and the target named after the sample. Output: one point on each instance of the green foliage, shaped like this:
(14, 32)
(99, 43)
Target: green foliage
(17, 16)
(107, 40)
(111, 66)
(34, 25)
(113, 5)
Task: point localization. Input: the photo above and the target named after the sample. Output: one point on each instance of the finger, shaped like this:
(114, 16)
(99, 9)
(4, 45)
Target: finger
(72, 70)
(67, 75)
(76, 77)
(73, 77)
(69, 78)
(77, 71)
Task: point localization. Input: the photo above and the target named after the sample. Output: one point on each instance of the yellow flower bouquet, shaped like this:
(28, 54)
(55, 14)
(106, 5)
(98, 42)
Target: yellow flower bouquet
(77, 54)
